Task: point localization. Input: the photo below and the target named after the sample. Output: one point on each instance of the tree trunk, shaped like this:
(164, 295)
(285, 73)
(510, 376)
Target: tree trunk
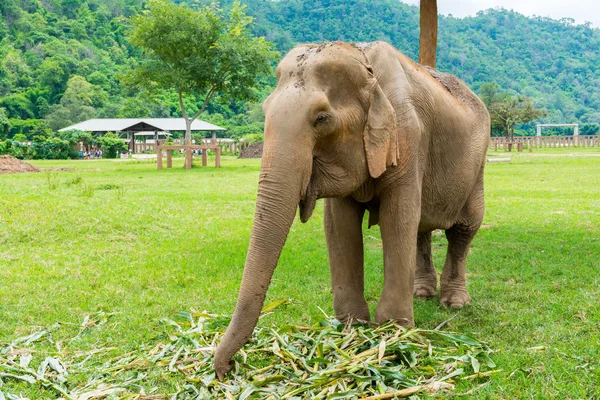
(188, 131)
(429, 32)
(188, 142)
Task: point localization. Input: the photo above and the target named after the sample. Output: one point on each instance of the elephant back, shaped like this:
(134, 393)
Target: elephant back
(456, 88)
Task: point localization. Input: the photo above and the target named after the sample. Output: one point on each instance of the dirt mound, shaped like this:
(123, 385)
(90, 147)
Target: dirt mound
(11, 165)
(254, 150)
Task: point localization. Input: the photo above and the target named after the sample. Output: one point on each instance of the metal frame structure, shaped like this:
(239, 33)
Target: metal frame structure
(540, 126)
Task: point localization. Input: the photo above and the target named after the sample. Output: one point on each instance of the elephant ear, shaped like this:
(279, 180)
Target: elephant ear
(380, 139)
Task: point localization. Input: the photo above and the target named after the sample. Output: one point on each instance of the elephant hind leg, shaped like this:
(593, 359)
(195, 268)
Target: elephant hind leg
(453, 291)
(425, 275)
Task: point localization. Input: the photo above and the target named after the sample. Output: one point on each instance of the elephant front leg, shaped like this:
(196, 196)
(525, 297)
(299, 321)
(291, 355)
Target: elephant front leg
(425, 275)
(343, 230)
(399, 219)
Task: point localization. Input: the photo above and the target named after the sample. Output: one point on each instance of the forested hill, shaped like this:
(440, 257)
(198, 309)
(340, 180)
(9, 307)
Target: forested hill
(60, 59)
(555, 62)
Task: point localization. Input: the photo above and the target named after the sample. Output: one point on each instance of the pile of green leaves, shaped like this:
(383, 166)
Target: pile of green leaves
(328, 360)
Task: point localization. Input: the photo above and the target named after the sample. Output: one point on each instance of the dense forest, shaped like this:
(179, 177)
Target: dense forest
(61, 60)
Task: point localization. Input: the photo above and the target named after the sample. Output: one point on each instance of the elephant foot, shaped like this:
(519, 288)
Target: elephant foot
(426, 287)
(349, 317)
(405, 319)
(455, 297)
(350, 309)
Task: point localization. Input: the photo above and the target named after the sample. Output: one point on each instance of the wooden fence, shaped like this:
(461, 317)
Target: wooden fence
(227, 146)
(538, 142)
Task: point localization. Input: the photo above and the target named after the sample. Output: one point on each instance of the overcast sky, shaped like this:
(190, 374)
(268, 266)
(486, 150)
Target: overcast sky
(580, 10)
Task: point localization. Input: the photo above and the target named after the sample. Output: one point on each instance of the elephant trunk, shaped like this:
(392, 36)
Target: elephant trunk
(278, 197)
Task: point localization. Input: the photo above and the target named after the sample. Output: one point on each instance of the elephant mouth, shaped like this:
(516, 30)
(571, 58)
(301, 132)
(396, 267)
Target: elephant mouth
(307, 204)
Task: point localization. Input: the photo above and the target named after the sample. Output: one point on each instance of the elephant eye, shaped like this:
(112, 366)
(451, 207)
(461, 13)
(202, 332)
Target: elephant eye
(320, 119)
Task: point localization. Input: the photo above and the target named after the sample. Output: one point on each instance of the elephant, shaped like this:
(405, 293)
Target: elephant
(367, 129)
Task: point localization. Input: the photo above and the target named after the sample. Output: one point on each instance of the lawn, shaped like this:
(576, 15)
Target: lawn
(121, 237)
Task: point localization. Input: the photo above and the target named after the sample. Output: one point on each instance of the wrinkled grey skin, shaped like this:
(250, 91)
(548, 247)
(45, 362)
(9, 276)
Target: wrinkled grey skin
(368, 129)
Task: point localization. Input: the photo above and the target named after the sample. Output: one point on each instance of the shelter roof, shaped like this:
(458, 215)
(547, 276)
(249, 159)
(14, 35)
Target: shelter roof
(140, 125)
(148, 133)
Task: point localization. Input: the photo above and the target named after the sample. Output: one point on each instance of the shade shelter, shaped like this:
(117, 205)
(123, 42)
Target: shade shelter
(132, 126)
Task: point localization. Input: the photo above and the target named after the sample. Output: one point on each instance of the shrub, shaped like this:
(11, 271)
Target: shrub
(15, 149)
(53, 148)
(112, 145)
(254, 138)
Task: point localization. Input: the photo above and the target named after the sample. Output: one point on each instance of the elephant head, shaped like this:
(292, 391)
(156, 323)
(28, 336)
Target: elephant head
(329, 131)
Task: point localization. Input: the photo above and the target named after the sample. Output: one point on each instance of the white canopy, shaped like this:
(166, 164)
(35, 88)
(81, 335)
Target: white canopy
(152, 134)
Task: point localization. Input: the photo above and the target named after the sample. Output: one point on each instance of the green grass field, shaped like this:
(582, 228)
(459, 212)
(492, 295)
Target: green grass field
(124, 238)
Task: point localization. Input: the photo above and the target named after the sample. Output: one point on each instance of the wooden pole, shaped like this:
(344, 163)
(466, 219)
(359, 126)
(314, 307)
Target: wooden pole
(169, 158)
(188, 158)
(159, 157)
(131, 142)
(218, 157)
(204, 158)
(429, 33)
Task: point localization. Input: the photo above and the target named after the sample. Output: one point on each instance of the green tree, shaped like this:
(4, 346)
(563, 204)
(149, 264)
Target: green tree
(75, 137)
(511, 111)
(111, 145)
(586, 129)
(77, 104)
(490, 93)
(42, 107)
(205, 52)
(53, 75)
(20, 138)
(18, 106)
(4, 124)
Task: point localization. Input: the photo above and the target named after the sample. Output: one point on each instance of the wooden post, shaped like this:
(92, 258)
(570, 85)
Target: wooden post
(188, 158)
(429, 33)
(204, 157)
(159, 157)
(169, 158)
(218, 157)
